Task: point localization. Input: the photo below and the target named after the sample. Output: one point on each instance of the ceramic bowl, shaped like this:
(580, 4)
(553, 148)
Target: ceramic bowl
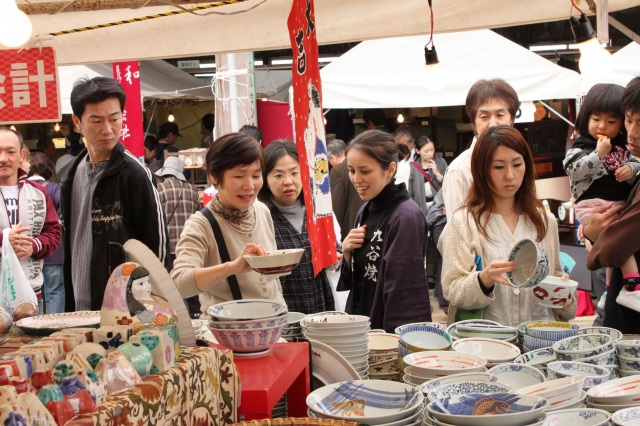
(551, 330)
(275, 262)
(294, 318)
(457, 378)
(627, 416)
(247, 310)
(444, 362)
(249, 324)
(593, 374)
(377, 359)
(461, 388)
(382, 401)
(582, 346)
(380, 343)
(494, 351)
(628, 348)
(517, 376)
(622, 390)
(534, 343)
(610, 407)
(399, 329)
(425, 338)
(385, 367)
(605, 358)
(488, 409)
(485, 330)
(537, 358)
(338, 338)
(554, 292)
(452, 329)
(532, 264)
(330, 322)
(557, 391)
(616, 335)
(629, 364)
(245, 341)
(627, 373)
(579, 417)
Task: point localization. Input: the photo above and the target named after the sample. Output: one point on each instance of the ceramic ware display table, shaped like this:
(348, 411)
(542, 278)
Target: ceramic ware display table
(267, 378)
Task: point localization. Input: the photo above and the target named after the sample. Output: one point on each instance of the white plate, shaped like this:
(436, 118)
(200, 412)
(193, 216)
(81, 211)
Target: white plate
(457, 378)
(617, 390)
(493, 350)
(329, 366)
(444, 362)
(47, 324)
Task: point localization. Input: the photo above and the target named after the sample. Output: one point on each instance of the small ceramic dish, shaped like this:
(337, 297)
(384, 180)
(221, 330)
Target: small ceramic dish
(624, 389)
(425, 338)
(444, 362)
(628, 348)
(457, 378)
(554, 292)
(517, 376)
(551, 330)
(536, 358)
(247, 310)
(582, 346)
(461, 388)
(627, 416)
(276, 262)
(494, 351)
(593, 374)
(399, 329)
(616, 335)
(532, 264)
(579, 417)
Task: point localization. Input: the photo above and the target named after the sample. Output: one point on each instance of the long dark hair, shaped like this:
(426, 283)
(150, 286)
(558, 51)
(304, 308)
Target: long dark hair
(272, 153)
(480, 199)
(135, 307)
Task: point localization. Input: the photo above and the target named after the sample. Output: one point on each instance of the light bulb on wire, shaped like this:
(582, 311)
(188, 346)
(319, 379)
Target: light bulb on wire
(595, 61)
(400, 118)
(15, 25)
(435, 77)
(171, 118)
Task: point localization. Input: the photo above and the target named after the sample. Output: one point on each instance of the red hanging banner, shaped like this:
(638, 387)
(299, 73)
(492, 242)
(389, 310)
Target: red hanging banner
(310, 134)
(29, 86)
(128, 75)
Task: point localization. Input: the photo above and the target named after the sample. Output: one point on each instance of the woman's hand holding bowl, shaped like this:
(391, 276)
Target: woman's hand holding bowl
(494, 273)
(240, 264)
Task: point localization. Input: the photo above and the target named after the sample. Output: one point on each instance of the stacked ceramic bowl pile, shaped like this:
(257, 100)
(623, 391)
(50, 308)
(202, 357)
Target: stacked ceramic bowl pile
(487, 409)
(594, 375)
(420, 337)
(595, 348)
(249, 326)
(347, 334)
(628, 353)
(368, 402)
(383, 357)
(494, 351)
(561, 394)
(452, 329)
(420, 367)
(489, 331)
(293, 329)
(615, 395)
(543, 334)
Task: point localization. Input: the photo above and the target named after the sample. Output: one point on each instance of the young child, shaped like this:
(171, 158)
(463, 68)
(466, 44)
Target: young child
(600, 167)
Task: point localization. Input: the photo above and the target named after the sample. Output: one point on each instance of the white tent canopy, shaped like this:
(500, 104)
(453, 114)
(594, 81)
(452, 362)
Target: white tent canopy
(265, 26)
(158, 80)
(391, 73)
(626, 64)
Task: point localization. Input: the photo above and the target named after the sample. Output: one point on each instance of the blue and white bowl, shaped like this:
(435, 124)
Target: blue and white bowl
(488, 409)
(616, 335)
(462, 388)
(457, 378)
(538, 358)
(247, 310)
(582, 346)
(629, 364)
(399, 329)
(535, 343)
(532, 264)
(628, 348)
(627, 417)
(550, 330)
(605, 358)
(593, 374)
(418, 338)
(579, 417)
(517, 376)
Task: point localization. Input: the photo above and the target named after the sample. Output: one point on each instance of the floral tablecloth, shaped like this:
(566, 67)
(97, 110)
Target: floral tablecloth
(201, 389)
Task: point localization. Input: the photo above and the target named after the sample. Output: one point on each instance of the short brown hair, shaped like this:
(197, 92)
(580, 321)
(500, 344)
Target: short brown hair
(484, 91)
(232, 150)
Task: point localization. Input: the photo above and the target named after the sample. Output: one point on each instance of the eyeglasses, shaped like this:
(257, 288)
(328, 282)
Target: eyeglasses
(281, 176)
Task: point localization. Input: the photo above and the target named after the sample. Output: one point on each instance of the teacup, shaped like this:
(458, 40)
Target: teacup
(532, 264)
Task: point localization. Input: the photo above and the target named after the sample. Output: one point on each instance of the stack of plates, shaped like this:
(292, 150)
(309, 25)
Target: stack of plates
(543, 334)
(293, 329)
(628, 353)
(420, 367)
(615, 394)
(452, 330)
(483, 409)
(347, 334)
(490, 331)
(370, 402)
(383, 357)
(594, 348)
(280, 410)
(560, 393)
(494, 351)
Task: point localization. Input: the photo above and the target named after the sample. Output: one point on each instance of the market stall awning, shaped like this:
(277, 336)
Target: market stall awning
(391, 72)
(145, 33)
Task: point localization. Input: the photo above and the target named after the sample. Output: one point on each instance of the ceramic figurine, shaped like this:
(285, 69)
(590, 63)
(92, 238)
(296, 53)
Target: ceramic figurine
(21, 384)
(33, 410)
(79, 361)
(138, 355)
(87, 332)
(94, 359)
(93, 384)
(42, 378)
(21, 365)
(69, 340)
(172, 331)
(128, 300)
(161, 347)
(63, 369)
(112, 336)
(117, 373)
(53, 399)
(10, 415)
(38, 361)
(79, 397)
(87, 349)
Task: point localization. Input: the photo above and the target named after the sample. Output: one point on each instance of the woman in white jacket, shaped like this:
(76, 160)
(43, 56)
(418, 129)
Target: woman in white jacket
(500, 210)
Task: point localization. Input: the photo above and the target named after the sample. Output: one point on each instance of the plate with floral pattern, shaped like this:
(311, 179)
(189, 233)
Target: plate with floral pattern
(49, 323)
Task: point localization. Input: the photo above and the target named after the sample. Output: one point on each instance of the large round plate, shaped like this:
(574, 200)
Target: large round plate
(328, 366)
(49, 323)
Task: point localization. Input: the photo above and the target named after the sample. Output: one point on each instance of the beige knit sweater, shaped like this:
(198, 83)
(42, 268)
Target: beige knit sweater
(197, 248)
(459, 244)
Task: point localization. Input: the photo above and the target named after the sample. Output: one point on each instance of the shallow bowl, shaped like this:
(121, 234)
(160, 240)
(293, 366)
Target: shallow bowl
(457, 378)
(382, 342)
(554, 292)
(494, 351)
(579, 417)
(557, 391)
(627, 416)
(461, 388)
(551, 330)
(247, 310)
(593, 374)
(629, 364)
(517, 376)
(275, 262)
(628, 348)
(616, 335)
(532, 264)
(583, 345)
(245, 341)
(444, 362)
(425, 338)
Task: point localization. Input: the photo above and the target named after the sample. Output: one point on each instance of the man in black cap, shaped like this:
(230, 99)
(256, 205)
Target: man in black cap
(167, 135)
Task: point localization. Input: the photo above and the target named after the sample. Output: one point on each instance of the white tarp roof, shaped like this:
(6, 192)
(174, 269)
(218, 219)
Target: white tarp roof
(626, 64)
(391, 72)
(265, 26)
(159, 80)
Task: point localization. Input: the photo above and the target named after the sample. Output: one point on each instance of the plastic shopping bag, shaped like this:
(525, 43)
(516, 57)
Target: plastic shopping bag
(15, 286)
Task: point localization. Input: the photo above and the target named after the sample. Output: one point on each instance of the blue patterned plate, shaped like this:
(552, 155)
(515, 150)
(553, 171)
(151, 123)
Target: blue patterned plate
(462, 388)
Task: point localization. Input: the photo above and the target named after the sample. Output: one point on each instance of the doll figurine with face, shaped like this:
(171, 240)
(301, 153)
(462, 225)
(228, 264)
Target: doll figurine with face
(129, 302)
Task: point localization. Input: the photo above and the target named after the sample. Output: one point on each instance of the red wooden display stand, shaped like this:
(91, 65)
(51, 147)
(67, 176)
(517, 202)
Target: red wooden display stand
(264, 380)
